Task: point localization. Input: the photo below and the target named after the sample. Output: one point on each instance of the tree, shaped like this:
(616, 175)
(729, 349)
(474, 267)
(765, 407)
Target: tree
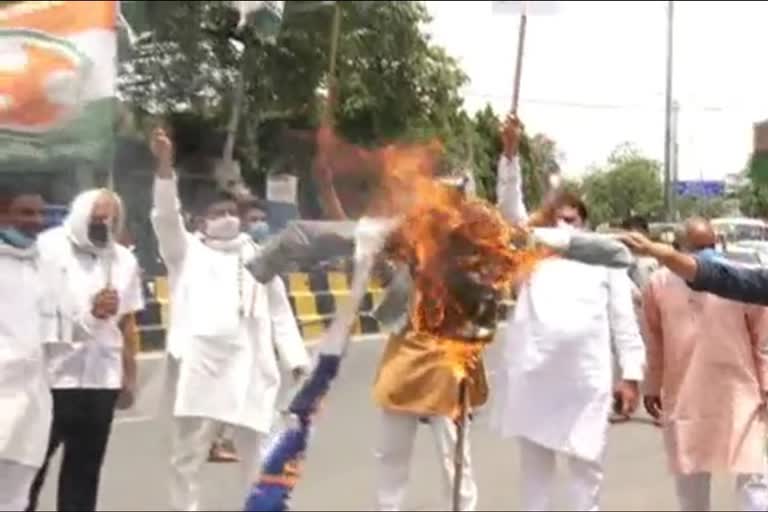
(629, 184)
(709, 208)
(753, 199)
(394, 83)
(538, 154)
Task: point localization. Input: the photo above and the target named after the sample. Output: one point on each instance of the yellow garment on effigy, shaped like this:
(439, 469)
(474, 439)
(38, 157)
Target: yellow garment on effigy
(418, 375)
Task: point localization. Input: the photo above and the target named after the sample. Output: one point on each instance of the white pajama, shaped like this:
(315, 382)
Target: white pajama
(15, 483)
(395, 447)
(192, 438)
(693, 492)
(537, 478)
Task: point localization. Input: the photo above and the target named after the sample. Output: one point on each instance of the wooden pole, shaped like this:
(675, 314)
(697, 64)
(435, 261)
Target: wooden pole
(461, 435)
(520, 53)
(334, 50)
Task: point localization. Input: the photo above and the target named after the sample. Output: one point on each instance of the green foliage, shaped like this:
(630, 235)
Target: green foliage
(629, 184)
(753, 199)
(538, 154)
(393, 82)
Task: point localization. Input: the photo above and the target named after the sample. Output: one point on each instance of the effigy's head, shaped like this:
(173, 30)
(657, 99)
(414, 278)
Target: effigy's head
(459, 248)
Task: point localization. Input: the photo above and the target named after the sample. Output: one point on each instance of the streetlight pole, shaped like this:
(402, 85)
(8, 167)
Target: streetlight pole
(668, 116)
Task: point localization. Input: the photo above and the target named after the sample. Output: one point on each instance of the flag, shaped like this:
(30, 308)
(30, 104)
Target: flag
(531, 7)
(57, 80)
(265, 16)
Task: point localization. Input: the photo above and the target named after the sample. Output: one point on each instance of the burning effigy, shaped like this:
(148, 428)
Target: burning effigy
(457, 256)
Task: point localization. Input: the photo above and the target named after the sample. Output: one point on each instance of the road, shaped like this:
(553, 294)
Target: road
(340, 472)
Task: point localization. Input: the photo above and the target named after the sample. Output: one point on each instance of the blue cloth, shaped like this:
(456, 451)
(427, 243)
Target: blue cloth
(730, 281)
(280, 469)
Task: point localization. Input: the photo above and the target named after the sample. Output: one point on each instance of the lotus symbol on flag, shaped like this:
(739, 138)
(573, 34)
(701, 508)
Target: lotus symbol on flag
(41, 81)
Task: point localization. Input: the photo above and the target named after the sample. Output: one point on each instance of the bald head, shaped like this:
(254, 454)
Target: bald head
(699, 234)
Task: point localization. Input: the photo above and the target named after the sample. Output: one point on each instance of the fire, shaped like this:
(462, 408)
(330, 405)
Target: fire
(455, 246)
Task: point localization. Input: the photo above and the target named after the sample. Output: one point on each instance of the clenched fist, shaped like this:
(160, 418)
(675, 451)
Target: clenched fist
(511, 134)
(162, 149)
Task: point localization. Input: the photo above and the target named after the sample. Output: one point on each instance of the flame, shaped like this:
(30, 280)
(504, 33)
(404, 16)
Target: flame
(443, 235)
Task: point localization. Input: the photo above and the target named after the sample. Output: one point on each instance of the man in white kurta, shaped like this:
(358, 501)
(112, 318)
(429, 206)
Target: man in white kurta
(556, 371)
(99, 292)
(224, 330)
(27, 318)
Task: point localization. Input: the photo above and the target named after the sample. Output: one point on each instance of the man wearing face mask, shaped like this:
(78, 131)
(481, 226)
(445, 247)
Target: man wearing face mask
(223, 333)
(99, 294)
(555, 383)
(256, 222)
(27, 319)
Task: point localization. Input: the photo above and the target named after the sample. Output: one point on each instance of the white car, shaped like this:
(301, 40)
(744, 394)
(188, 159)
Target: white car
(744, 254)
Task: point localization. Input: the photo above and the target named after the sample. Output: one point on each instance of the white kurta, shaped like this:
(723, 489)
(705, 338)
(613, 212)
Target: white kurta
(557, 368)
(27, 319)
(94, 360)
(225, 327)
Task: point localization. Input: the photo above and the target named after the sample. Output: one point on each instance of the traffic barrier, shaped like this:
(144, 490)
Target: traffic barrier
(314, 298)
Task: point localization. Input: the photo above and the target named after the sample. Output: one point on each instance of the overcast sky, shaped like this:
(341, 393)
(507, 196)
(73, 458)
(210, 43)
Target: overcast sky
(594, 75)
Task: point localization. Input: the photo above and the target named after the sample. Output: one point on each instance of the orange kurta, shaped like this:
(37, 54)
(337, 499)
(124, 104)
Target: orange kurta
(416, 377)
(705, 359)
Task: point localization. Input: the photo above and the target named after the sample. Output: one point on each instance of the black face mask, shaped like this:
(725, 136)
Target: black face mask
(98, 234)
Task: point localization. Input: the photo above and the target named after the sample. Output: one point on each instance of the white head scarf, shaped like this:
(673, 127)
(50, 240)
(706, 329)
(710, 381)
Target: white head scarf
(76, 223)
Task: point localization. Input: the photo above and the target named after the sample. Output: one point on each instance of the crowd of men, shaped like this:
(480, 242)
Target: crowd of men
(586, 340)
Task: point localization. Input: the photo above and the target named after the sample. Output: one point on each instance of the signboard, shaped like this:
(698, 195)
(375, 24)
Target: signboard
(700, 188)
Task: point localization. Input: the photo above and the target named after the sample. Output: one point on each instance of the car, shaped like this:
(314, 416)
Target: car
(738, 229)
(745, 255)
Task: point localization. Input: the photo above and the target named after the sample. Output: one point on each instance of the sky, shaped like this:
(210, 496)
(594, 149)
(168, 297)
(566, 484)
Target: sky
(594, 76)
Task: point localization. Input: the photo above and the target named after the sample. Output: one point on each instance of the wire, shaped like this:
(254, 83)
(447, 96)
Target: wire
(601, 106)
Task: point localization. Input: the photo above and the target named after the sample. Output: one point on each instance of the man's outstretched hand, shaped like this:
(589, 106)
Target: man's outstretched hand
(641, 245)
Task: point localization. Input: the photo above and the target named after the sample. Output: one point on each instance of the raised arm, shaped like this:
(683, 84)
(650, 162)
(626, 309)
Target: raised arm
(509, 179)
(172, 236)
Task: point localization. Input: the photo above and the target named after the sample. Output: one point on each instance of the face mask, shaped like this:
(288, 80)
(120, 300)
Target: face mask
(16, 238)
(222, 228)
(258, 231)
(98, 234)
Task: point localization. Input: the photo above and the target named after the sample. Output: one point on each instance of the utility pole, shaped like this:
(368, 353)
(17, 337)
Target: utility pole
(668, 116)
(675, 150)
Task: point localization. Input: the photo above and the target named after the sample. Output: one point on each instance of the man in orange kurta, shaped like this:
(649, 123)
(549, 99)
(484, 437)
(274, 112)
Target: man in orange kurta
(706, 380)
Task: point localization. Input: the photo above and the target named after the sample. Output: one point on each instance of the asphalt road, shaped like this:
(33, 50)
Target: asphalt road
(340, 472)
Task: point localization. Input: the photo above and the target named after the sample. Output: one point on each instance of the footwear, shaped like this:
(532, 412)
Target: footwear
(223, 451)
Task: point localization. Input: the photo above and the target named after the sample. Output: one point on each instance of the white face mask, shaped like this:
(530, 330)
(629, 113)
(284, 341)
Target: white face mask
(223, 228)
